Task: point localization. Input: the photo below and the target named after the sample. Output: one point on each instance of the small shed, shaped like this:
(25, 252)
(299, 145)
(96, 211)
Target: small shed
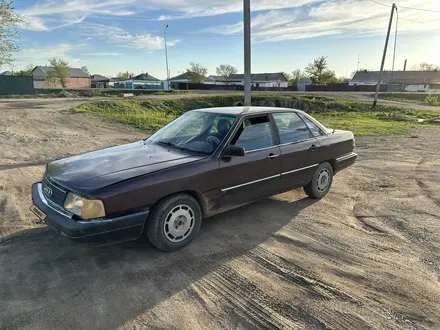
(302, 83)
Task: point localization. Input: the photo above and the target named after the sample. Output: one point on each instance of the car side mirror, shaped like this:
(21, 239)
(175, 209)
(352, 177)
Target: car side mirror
(233, 151)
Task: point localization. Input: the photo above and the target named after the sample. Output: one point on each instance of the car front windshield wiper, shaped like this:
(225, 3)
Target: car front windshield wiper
(176, 146)
(172, 145)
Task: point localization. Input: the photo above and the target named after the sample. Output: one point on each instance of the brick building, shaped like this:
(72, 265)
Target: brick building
(78, 78)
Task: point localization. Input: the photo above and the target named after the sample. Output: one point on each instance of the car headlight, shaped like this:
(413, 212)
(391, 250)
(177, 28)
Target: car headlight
(85, 208)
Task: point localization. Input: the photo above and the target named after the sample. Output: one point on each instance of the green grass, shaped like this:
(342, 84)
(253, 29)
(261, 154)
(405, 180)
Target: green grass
(417, 98)
(332, 112)
(110, 92)
(363, 123)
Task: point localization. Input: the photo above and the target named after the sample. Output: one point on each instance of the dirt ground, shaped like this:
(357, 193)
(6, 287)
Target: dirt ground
(366, 256)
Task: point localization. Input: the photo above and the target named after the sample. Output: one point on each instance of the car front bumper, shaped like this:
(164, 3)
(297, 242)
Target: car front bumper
(103, 231)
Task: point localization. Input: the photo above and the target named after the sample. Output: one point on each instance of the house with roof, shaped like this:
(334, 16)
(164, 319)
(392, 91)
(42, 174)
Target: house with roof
(409, 81)
(77, 78)
(99, 81)
(6, 73)
(216, 80)
(180, 79)
(261, 80)
(141, 81)
(258, 80)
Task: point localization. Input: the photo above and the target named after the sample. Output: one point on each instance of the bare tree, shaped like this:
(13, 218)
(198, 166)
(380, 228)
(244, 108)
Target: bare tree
(426, 67)
(85, 70)
(60, 72)
(225, 70)
(26, 71)
(9, 23)
(124, 75)
(197, 73)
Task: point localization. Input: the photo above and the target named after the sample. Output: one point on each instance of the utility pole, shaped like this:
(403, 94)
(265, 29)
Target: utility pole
(404, 65)
(358, 64)
(166, 57)
(247, 51)
(376, 96)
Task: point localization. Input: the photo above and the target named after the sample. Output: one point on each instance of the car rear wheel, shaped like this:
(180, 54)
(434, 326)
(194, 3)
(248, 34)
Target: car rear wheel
(321, 182)
(174, 222)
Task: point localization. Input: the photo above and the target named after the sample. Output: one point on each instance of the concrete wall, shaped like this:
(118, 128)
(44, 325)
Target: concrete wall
(420, 88)
(71, 83)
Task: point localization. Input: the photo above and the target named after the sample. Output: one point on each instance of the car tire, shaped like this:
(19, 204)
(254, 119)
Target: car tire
(174, 222)
(321, 182)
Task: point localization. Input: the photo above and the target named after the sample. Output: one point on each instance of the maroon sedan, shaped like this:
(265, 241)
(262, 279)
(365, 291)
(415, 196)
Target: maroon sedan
(204, 162)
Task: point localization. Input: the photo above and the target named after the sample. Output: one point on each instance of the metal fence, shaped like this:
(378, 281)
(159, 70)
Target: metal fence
(10, 85)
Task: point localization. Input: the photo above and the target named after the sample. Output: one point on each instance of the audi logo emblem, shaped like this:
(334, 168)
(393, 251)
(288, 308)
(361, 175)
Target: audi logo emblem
(48, 191)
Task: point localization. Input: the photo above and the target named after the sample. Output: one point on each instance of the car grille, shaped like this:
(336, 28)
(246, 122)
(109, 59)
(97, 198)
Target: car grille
(53, 193)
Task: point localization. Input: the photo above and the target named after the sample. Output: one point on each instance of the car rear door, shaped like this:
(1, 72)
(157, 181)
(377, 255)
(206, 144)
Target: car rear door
(258, 173)
(300, 155)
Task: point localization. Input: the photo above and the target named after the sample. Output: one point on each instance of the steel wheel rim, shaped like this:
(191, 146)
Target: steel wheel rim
(179, 223)
(323, 180)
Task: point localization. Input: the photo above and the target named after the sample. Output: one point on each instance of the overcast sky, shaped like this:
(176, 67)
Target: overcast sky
(110, 36)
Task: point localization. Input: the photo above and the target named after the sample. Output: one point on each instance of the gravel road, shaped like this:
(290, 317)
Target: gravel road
(366, 256)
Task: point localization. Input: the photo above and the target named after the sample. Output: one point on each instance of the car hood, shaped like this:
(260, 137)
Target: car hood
(94, 170)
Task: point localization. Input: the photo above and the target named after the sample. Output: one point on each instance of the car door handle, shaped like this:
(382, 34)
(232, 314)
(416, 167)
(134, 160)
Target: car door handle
(313, 147)
(272, 156)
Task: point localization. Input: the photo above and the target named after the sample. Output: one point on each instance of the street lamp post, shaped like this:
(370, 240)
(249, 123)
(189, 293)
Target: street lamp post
(247, 51)
(166, 57)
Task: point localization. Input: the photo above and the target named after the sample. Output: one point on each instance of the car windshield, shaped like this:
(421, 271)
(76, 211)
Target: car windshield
(195, 131)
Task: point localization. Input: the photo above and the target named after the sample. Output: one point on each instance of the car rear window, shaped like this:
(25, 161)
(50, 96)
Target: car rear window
(291, 127)
(316, 130)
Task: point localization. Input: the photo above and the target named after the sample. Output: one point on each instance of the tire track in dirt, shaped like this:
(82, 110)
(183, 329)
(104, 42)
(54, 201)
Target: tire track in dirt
(247, 301)
(290, 273)
(368, 226)
(425, 190)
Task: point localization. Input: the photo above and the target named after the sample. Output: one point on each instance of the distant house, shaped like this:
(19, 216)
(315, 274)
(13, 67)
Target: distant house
(141, 81)
(6, 73)
(410, 81)
(77, 79)
(181, 78)
(261, 80)
(99, 81)
(216, 80)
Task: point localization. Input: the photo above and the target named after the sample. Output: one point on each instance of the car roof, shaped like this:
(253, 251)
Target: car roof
(244, 110)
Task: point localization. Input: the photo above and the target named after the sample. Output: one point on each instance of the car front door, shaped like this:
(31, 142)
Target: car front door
(300, 155)
(257, 173)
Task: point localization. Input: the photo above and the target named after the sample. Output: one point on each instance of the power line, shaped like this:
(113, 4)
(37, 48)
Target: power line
(421, 9)
(411, 8)
(380, 3)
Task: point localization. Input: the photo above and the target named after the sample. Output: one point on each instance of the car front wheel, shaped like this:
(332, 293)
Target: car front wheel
(321, 182)
(174, 222)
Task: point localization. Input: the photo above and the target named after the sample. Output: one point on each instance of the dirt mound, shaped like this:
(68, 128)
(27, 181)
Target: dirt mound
(67, 94)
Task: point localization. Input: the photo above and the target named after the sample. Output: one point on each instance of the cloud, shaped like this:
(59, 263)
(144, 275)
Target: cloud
(59, 10)
(33, 24)
(41, 55)
(336, 18)
(118, 36)
(55, 14)
(102, 54)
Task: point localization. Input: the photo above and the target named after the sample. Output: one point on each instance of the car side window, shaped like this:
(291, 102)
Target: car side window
(254, 133)
(291, 127)
(316, 130)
